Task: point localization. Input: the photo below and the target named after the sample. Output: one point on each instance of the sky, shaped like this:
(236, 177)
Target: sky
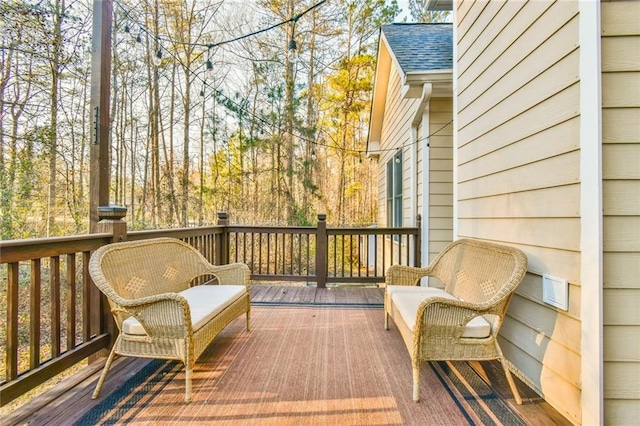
(404, 5)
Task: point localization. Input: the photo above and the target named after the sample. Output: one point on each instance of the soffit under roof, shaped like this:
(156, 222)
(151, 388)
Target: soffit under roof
(439, 5)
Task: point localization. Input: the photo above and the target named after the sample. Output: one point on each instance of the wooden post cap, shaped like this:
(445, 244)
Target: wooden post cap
(111, 212)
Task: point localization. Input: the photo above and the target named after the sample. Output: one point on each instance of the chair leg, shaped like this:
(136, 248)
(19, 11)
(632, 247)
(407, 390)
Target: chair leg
(416, 383)
(249, 320)
(512, 384)
(103, 375)
(187, 384)
(507, 373)
(386, 320)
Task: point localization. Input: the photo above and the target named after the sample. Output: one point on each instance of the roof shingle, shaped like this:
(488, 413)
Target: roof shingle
(421, 47)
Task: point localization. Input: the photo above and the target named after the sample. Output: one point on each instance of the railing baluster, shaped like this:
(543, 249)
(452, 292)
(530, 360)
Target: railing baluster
(384, 253)
(366, 257)
(335, 255)
(284, 251)
(71, 301)
(55, 305)
(252, 250)
(260, 235)
(406, 239)
(300, 253)
(86, 298)
(308, 254)
(235, 258)
(269, 252)
(342, 238)
(34, 314)
(359, 249)
(350, 255)
(12, 320)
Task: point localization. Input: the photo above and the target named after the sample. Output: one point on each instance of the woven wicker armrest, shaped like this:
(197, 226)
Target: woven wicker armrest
(233, 273)
(446, 318)
(147, 300)
(163, 315)
(405, 275)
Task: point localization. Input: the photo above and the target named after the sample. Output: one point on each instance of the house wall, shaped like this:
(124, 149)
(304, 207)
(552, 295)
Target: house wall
(396, 134)
(621, 205)
(440, 175)
(518, 172)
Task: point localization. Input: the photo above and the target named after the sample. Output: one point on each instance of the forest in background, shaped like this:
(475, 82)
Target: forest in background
(210, 111)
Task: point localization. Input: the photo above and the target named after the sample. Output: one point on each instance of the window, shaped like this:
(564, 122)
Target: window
(394, 191)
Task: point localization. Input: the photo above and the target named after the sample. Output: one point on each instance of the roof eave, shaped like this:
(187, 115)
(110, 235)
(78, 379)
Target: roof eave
(441, 80)
(439, 5)
(381, 79)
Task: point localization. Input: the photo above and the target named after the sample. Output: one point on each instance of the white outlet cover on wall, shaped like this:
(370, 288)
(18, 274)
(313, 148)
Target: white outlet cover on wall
(555, 291)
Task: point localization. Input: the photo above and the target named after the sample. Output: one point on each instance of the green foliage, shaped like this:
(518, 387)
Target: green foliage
(264, 139)
(420, 13)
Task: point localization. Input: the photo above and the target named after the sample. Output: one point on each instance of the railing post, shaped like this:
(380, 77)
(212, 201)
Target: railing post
(222, 246)
(418, 243)
(111, 220)
(321, 251)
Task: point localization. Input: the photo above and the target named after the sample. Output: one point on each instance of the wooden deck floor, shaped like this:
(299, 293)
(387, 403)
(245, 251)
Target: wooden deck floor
(74, 394)
(289, 295)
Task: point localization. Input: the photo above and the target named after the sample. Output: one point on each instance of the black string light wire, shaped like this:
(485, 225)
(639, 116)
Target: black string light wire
(209, 66)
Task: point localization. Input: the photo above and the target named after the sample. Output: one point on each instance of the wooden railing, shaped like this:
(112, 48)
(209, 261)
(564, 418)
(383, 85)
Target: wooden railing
(56, 318)
(322, 255)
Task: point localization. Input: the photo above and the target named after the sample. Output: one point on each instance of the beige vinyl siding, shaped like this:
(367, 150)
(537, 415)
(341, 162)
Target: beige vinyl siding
(621, 204)
(396, 134)
(518, 171)
(440, 175)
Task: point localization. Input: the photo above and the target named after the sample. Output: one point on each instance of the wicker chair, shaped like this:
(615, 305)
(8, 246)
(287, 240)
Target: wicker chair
(479, 279)
(149, 285)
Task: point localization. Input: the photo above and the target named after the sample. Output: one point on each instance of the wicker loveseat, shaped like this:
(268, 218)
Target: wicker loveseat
(461, 321)
(158, 310)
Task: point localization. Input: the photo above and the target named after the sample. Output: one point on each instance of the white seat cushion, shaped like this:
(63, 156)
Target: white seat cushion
(205, 302)
(407, 300)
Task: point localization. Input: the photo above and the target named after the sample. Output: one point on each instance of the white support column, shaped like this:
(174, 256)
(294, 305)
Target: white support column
(591, 246)
(421, 120)
(455, 120)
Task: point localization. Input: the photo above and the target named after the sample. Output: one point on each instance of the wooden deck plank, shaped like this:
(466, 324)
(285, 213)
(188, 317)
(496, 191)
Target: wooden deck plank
(257, 292)
(356, 295)
(375, 296)
(309, 295)
(347, 295)
(340, 294)
(298, 297)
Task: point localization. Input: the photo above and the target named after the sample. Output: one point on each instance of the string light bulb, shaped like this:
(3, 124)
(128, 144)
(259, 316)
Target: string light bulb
(293, 51)
(208, 63)
(157, 59)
